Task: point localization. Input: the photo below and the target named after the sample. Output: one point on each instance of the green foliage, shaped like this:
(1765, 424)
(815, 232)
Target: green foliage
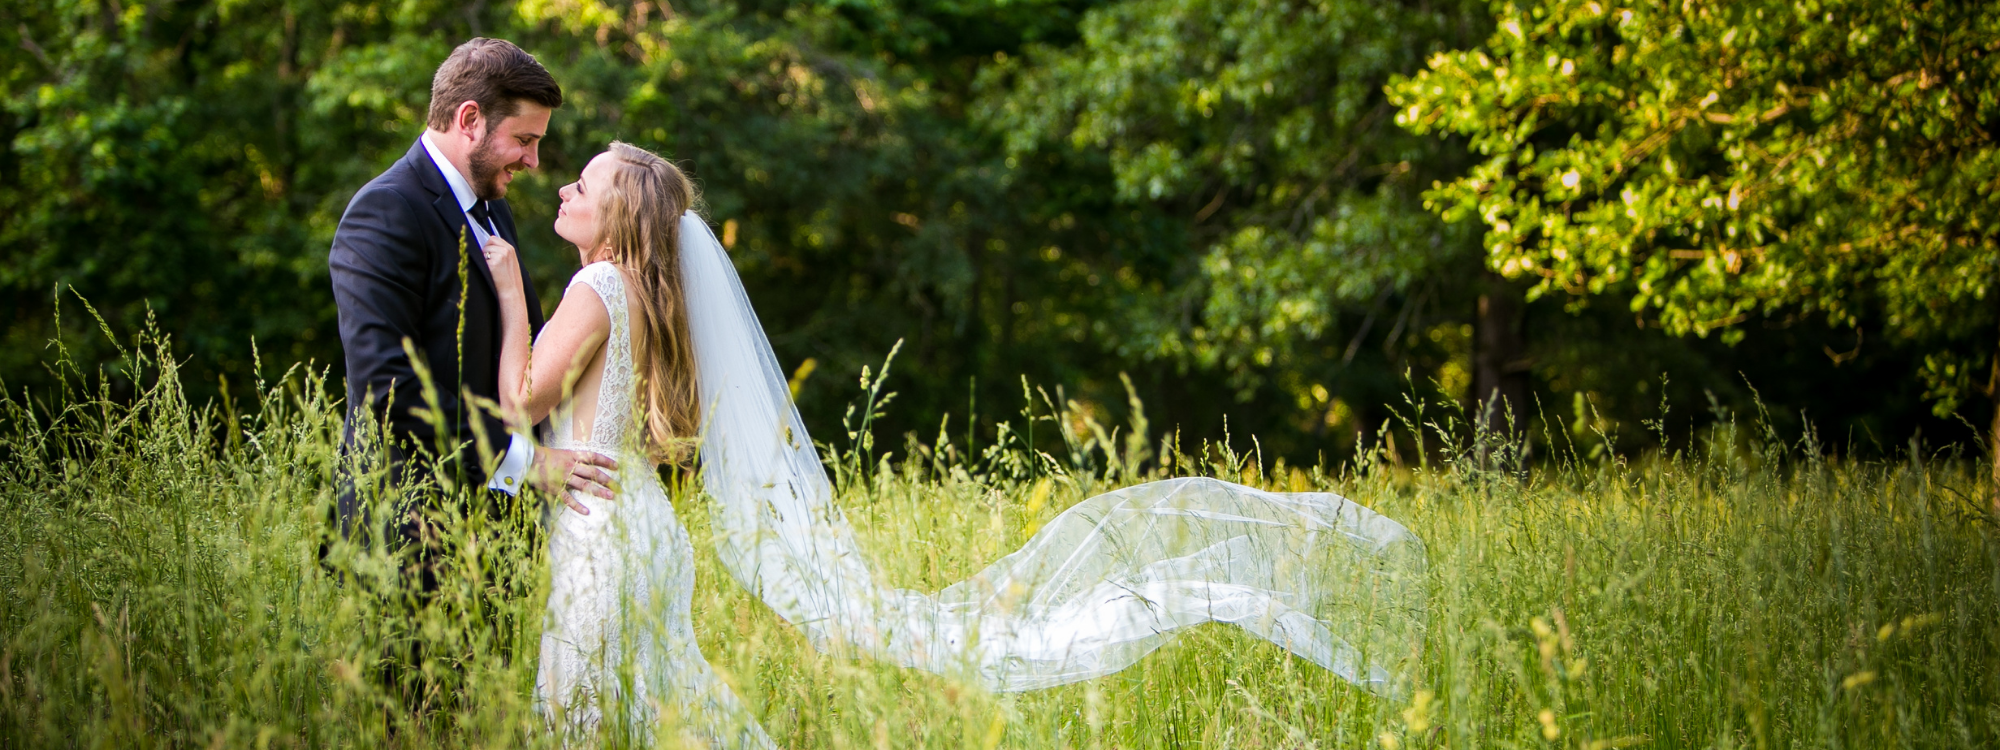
(131, 175)
(159, 587)
(1265, 124)
(1720, 162)
(1211, 197)
(192, 160)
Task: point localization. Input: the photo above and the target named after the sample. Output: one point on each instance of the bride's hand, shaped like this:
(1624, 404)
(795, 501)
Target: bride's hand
(506, 268)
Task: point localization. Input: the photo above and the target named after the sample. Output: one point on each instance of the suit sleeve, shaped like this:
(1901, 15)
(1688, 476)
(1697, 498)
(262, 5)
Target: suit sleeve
(380, 272)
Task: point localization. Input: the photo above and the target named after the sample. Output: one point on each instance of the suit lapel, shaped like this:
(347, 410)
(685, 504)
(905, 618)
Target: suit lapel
(503, 221)
(454, 220)
(447, 208)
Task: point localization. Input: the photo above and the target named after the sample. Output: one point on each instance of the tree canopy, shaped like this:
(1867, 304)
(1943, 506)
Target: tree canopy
(1215, 198)
(1718, 161)
(1263, 125)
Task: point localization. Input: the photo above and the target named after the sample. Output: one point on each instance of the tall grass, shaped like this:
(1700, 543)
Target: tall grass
(161, 584)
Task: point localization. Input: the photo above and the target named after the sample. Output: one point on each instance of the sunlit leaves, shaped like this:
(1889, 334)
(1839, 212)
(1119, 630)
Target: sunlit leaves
(1722, 161)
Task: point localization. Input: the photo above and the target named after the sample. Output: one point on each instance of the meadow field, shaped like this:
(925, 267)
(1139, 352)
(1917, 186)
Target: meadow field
(161, 585)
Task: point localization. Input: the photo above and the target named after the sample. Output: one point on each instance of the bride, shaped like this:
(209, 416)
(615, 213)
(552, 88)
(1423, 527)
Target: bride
(655, 356)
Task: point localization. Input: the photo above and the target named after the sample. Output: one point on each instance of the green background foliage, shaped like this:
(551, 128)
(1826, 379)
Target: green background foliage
(1718, 162)
(1277, 217)
(1309, 219)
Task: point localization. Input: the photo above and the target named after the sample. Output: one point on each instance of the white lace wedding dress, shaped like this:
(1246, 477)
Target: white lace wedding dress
(618, 635)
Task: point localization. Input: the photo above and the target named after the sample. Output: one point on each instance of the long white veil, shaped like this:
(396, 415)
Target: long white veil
(1105, 583)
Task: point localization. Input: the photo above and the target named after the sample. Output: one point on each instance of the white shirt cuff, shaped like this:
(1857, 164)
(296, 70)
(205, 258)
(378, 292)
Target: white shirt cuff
(513, 470)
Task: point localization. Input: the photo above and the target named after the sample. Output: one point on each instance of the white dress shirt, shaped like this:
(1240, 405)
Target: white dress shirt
(513, 469)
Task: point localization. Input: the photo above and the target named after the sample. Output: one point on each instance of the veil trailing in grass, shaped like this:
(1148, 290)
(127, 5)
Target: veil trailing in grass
(1106, 582)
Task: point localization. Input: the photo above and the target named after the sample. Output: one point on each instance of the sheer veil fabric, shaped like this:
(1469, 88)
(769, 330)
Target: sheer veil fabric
(1108, 581)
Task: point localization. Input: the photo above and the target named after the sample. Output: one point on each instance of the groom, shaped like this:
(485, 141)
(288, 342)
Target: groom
(395, 266)
(396, 263)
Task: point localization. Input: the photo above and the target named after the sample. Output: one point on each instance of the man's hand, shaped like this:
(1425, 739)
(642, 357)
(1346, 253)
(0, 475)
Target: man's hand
(556, 471)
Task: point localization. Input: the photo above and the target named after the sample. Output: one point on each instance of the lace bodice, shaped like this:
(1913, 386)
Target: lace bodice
(612, 420)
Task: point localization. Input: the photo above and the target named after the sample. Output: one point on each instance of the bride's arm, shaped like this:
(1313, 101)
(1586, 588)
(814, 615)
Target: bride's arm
(569, 342)
(572, 336)
(515, 334)
(531, 386)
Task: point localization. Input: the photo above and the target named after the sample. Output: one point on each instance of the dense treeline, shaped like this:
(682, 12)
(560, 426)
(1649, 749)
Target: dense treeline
(1250, 207)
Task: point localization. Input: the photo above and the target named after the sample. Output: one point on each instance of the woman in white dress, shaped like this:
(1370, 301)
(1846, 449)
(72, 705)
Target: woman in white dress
(613, 373)
(655, 342)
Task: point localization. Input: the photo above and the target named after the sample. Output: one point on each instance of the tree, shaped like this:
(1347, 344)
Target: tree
(188, 161)
(1722, 161)
(1259, 133)
(1211, 196)
(160, 160)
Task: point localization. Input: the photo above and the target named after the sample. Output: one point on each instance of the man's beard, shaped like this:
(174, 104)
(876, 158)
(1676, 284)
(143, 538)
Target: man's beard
(486, 170)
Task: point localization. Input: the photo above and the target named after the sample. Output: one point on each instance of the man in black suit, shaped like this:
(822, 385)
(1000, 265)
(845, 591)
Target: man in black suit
(396, 263)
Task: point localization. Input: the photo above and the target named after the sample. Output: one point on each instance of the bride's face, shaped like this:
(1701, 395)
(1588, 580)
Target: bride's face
(576, 219)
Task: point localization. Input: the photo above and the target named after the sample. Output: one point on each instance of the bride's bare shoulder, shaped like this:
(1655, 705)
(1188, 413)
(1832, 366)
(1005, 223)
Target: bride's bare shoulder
(582, 314)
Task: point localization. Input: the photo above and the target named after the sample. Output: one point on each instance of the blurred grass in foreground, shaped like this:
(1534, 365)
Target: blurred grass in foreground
(160, 585)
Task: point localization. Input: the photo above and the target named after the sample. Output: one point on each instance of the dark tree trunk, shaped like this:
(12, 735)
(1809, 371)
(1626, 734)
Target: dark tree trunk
(1993, 441)
(1500, 358)
(1993, 433)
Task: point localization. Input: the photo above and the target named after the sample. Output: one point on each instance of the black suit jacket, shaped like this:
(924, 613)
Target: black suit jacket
(394, 263)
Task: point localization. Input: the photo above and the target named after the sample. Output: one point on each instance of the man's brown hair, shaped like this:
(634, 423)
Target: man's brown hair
(494, 74)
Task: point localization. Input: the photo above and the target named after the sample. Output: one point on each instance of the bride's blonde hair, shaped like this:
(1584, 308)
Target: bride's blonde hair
(639, 215)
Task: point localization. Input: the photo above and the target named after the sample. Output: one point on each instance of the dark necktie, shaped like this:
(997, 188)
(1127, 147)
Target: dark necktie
(479, 214)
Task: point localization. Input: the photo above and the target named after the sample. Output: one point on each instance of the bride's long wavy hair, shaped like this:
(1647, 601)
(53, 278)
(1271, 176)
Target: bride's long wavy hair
(639, 217)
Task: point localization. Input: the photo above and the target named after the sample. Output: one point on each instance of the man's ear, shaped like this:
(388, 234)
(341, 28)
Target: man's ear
(469, 119)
